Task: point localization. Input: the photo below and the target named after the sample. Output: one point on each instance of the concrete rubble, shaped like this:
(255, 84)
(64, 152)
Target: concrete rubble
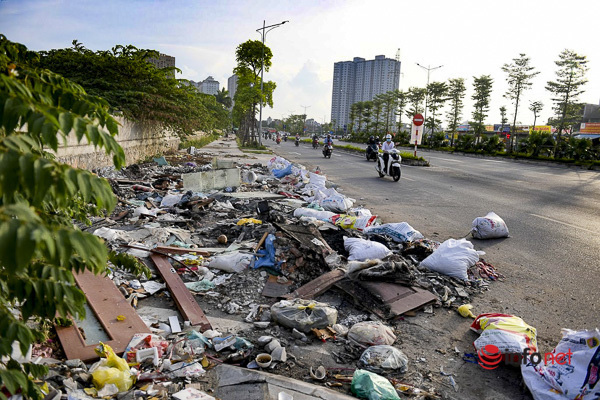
(241, 242)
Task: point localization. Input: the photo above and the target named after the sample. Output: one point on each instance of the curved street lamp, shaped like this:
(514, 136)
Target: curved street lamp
(429, 69)
(263, 33)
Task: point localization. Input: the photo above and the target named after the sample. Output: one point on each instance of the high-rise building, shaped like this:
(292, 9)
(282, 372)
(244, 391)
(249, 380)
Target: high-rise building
(163, 61)
(232, 82)
(209, 86)
(361, 80)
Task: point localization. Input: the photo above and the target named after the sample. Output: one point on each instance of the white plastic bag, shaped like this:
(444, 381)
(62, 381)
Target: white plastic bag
(383, 358)
(453, 258)
(303, 314)
(567, 376)
(371, 333)
(350, 222)
(171, 199)
(489, 227)
(399, 232)
(510, 334)
(310, 212)
(361, 249)
(316, 179)
(334, 201)
(231, 262)
(277, 163)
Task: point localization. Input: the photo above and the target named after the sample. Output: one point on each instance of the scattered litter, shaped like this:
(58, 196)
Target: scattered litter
(371, 386)
(371, 333)
(303, 315)
(383, 358)
(489, 227)
(361, 249)
(453, 258)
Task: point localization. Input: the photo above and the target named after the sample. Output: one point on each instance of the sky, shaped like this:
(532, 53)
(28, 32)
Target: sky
(468, 38)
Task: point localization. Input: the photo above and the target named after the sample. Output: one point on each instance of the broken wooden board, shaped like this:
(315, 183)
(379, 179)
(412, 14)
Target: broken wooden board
(186, 303)
(273, 288)
(317, 286)
(107, 302)
(308, 236)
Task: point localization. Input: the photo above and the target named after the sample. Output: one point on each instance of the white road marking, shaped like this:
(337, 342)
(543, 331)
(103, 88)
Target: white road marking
(407, 179)
(294, 152)
(564, 223)
(447, 159)
(496, 161)
(337, 155)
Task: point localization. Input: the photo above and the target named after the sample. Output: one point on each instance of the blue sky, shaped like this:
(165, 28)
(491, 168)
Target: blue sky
(469, 38)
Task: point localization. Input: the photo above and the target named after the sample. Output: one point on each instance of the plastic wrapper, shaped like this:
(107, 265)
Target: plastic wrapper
(370, 386)
(399, 232)
(371, 333)
(571, 372)
(267, 255)
(453, 258)
(361, 249)
(303, 314)
(310, 212)
(231, 262)
(489, 227)
(280, 173)
(170, 200)
(509, 333)
(383, 358)
(277, 163)
(111, 370)
(350, 222)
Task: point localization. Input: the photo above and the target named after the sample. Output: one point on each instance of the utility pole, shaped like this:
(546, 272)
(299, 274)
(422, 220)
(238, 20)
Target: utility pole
(304, 127)
(429, 69)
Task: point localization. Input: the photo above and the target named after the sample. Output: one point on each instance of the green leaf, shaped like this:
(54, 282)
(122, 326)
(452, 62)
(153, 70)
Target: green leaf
(66, 122)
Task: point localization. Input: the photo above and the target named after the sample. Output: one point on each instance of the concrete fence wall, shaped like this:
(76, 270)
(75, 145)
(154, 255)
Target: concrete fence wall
(138, 140)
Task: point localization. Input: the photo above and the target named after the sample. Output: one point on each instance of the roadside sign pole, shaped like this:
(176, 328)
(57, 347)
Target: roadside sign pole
(416, 143)
(417, 122)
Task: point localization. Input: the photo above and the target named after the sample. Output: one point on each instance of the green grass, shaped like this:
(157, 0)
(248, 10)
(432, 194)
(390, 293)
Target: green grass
(203, 141)
(252, 146)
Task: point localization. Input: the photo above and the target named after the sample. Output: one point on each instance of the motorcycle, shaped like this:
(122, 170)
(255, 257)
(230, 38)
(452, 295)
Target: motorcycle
(297, 142)
(327, 151)
(371, 152)
(278, 140)
(285, 138)
(315, 143)
(393, 165)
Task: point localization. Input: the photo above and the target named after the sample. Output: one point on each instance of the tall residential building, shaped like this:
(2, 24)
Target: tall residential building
(209, 86)
(232, 83)
(163, 61)
(361, 80)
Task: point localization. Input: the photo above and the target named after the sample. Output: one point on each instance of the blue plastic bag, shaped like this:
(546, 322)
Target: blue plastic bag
(268, 254)
(280, 173)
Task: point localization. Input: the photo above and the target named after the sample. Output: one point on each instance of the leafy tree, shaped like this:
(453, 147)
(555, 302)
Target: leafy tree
(437, 92)
(401, 101)
(135, 88)
(415, 98)
(377, 111)
(249, 58)
(40, 198)
(570, 79)
(456, 93)
(535, 107)
(465, 142)
(536, 142)
(353, 117)
(481, 96)
(222, 97)
(503, 118)
(367, 115)
(519, 74)
(390, 103)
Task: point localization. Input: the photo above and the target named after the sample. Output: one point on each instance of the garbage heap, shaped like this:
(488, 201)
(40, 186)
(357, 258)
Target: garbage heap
(252, 267)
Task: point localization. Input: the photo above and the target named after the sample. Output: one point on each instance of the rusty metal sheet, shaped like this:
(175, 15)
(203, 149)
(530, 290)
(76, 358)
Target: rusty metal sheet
(107, 302)
(273, 288)
(186, 303)
(317, 286)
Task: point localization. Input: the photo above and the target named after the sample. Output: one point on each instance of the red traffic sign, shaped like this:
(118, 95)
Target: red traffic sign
(418, 120)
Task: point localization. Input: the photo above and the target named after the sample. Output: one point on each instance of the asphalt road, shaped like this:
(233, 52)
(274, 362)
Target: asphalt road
(551, 260)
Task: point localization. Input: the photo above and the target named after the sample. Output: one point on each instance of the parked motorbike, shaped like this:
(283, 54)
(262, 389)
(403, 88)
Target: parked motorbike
(371, 152)
(297, 142)
(393, 165)
(315, 143)
(327, 150)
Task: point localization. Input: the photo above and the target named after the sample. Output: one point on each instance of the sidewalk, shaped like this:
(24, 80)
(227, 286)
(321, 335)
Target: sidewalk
(226, 147)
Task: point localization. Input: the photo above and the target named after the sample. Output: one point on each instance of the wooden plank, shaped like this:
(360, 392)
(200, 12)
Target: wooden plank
(180, 250)
(398, 298)
(261, 241)
(186, 303)
(107, 302)
(317, 286)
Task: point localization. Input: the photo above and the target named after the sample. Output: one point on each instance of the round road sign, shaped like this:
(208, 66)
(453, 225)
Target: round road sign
(418, 120)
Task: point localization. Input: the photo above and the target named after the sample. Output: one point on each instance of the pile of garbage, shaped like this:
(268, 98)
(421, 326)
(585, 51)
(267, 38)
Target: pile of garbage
(262, 251)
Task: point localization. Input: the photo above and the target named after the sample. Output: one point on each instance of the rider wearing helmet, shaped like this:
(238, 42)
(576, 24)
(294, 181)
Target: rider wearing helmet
(328, 140)
(387, 146)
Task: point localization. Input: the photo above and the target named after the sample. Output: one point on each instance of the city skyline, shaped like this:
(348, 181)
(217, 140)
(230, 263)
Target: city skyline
(467, 39)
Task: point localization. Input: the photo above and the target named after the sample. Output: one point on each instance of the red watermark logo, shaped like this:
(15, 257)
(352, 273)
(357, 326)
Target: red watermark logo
(490, 357)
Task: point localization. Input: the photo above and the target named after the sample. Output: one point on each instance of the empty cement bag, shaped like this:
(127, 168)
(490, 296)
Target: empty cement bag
(303, 314)
(453, 258)
(361, 249)
(371, 333)
(231, 262)
(383, 358)
(399, 232)
(370, 386)
(489, 227)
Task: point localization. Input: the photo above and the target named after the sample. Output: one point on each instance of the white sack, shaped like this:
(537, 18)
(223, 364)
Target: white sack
(371, 333)
(361, 249)
(311, 212)
(231, 262)
(399, 232)
(453, 258)
(489, 227)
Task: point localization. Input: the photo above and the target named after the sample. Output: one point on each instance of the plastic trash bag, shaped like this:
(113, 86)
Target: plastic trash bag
(277, 163)
(383, 358)
(111, 370)
(268, 254)
(489, 227)
(572, 372)
(280, 173)
(231, 262)
(316, 179)
(350, 222)
(309, 212)
(361, 249)
(509, 333)
(171, 199)
(399, 232)
(371, 333)
(331, 200)
(370, 386)
(453, 258)
(303, 314)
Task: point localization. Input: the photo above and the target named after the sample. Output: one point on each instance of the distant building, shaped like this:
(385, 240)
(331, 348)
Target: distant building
(209, 86)
(163, 61)
(361, 80)
(232, 83)
(591, 113)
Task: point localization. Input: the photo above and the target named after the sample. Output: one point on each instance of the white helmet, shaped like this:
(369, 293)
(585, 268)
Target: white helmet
(388, 137)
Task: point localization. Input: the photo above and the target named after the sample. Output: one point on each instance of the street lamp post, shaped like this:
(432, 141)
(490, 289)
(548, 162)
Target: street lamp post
(263, 33)
(304, 122)
(429, 69)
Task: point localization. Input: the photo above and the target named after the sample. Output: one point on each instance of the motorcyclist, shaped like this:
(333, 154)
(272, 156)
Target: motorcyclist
(387, 146)
(328, 140)
(297, 137)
